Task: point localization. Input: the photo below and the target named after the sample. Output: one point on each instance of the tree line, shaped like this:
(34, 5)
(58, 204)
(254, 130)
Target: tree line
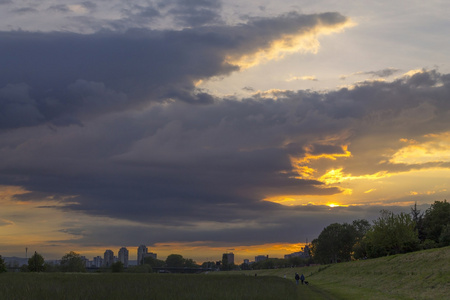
(73, 262)
(389, 234)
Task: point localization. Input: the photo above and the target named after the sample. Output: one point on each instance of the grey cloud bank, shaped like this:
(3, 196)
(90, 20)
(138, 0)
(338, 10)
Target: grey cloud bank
(110, 124)
(61, 77)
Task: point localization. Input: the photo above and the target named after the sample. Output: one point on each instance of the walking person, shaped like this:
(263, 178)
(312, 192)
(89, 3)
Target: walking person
(302, 278)
(297, 278)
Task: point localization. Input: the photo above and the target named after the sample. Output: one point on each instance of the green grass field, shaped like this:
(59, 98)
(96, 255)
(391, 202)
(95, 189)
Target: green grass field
(418, 275)
(142, 286)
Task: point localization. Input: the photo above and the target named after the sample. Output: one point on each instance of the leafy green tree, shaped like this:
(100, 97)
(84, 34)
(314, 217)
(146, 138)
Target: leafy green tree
(175, 261)
(435, 218)
(36, 263)
(117, 267)
(392, 234)
(209, 265)
(153, 262)
(2, 265)
(444, 238)
(72, 262)
(190, 263)
(417, 218)
(334, 243)
(359, 249)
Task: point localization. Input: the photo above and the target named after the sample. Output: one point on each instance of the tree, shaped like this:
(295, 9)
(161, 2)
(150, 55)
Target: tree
(444, 238)
(209, 265)
(175, 261)
(2, 265)
(36, 263)
(334, 243)
(417, 218)
(72, 262)
(435, 218)
(392, 234)
(153, 262)
(117, 267)
(359, 248)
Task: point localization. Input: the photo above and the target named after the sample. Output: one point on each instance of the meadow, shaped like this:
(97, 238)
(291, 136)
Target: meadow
(142, 286)
(417, 275)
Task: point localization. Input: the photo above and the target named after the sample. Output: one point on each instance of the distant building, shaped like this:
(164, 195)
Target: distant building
(123, 256)
(261, 258)
(229, 257)
(304, 253)
(108, 258)
(98, 262)
(151, 254)
(87, 262)
(246, 261)
(141, 252)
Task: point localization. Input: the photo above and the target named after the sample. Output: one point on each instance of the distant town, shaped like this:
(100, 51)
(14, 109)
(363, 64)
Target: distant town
(109, 258)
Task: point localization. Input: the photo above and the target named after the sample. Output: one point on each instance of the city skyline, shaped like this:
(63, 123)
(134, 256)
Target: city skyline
(205, 127)
(123, 256)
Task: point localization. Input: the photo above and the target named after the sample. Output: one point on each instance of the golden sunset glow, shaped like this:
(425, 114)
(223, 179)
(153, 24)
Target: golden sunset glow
(436, 148)
(301, 42)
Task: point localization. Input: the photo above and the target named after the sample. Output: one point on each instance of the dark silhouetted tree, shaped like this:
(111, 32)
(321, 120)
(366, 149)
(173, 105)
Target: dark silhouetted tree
(117, 267)
(417, 218)
(360, 246)
(72, 262)
(444, 238)
(175, 261)
(435, 219)
(2, 265)
(153, 262)
(36, 263)
(334, 244)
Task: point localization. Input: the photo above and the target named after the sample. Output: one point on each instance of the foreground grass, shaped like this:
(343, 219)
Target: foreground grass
(142, 286)
(417, 275)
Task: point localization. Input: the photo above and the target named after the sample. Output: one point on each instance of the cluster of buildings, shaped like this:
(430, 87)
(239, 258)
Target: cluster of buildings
(142, 252)
(304, 253)
(123, 256)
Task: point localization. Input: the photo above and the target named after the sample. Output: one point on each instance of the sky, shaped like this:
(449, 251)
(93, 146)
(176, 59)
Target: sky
(200, 127)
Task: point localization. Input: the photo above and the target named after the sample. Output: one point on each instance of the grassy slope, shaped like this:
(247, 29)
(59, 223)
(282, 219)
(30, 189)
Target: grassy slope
(417, 275)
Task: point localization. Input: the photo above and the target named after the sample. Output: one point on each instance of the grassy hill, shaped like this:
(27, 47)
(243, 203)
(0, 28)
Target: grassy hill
(417, 275)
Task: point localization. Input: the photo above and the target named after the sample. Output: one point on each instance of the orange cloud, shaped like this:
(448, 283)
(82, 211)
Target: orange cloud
(301, 41)
(435, 149)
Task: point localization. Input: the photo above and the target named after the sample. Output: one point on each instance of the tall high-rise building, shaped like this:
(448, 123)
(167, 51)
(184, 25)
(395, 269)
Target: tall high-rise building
(123, 256)
(108, 258)
(228, 258)
(98, 261)
(141, 252)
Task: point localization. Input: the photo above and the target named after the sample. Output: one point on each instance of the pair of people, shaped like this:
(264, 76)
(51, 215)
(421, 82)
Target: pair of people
(297, 278)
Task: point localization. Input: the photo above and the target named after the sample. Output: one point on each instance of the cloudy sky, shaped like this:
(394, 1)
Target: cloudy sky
(204, 126)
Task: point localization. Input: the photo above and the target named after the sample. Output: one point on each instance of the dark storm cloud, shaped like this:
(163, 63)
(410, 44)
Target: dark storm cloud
(175, 164)
(70, 76)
